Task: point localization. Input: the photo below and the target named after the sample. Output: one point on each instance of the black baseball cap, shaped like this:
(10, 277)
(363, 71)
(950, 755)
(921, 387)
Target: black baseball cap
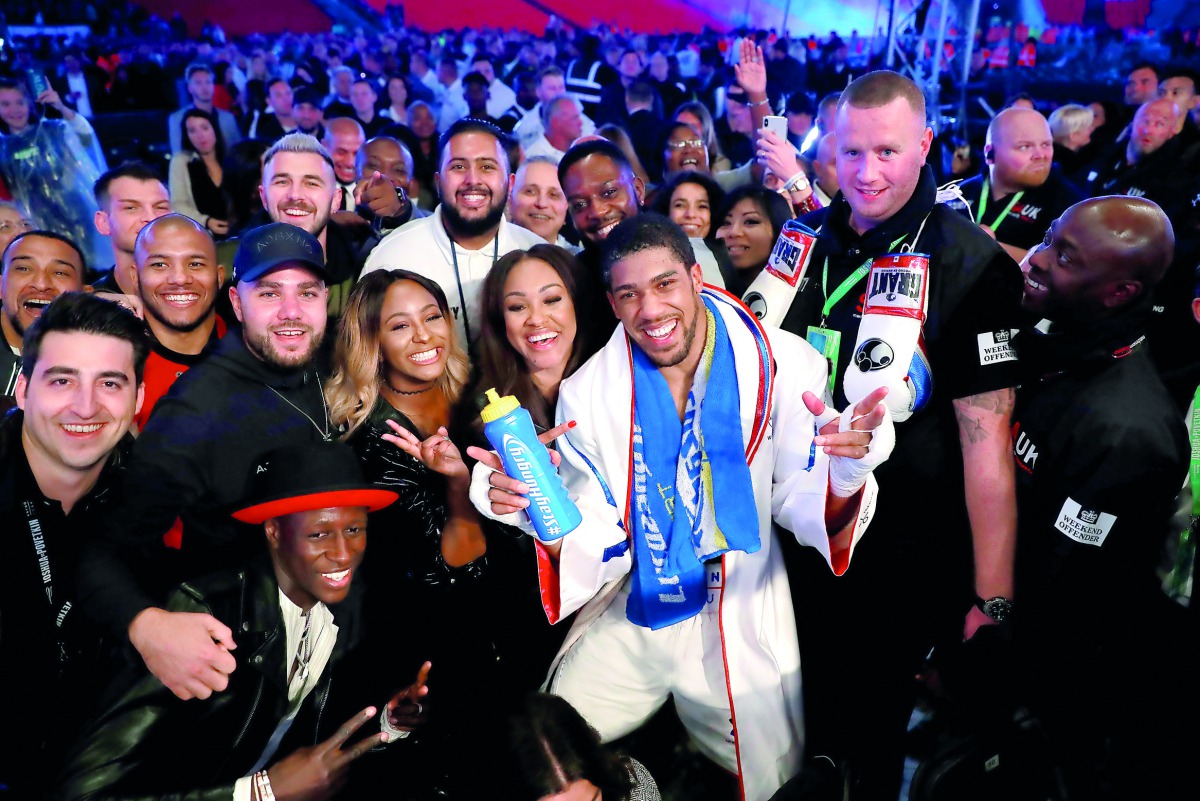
(305, 477)
(273, 245)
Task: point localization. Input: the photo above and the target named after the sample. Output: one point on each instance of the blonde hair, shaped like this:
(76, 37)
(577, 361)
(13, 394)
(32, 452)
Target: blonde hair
(358, 356)
(1069, 119)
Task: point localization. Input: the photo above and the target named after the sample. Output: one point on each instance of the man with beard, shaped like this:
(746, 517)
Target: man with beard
(178, 281)
(678, 572)
(310, 117)
(467, 232)
(1100, 454)
(300, 187)
(37, 267)
(1019, 193)
(128, 196)
(601, 191)
(258, 390)
(1148, 163)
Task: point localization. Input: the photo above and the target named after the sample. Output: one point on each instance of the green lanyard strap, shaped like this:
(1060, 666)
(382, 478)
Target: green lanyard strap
(983, 201)
(840, 291)
(1194, 467)
(1179, 580)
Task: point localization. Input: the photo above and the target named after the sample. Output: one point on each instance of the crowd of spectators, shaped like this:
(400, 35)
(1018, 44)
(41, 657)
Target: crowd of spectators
(355, 235)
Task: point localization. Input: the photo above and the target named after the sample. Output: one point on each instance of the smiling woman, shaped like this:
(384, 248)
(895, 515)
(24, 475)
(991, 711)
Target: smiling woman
(750, 221)
(398, 366)
(535, 330)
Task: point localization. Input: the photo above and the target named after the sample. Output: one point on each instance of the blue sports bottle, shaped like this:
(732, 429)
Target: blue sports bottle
(509, 428)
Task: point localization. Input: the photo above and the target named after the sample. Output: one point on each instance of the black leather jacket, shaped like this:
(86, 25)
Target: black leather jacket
(148, 744)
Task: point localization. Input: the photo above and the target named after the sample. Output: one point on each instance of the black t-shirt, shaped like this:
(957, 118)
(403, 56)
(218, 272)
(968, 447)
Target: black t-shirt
(974, 307)
(1027, 222)
(1100, 455)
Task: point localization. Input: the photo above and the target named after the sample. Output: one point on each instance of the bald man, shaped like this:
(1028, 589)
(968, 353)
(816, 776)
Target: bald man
(343, 139)
(179, 281)
(1100, 457)
(390, 158)
(1018, 193)
(1148, 163)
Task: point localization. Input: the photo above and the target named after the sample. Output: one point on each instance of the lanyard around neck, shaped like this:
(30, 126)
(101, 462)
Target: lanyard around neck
(1194, 466)
(462, 299)
(983, 201)
(840, 291)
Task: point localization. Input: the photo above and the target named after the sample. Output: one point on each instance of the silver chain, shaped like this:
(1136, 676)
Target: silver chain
(325, 433)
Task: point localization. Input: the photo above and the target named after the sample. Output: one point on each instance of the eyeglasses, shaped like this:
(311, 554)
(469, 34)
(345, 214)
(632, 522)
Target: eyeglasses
(685, 143)
(21, 225)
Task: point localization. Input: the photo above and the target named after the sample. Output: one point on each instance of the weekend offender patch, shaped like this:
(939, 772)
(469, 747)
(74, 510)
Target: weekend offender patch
(996, 346)
(1085, 526)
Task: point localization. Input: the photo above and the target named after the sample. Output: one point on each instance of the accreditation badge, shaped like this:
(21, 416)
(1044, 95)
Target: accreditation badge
(828, 342)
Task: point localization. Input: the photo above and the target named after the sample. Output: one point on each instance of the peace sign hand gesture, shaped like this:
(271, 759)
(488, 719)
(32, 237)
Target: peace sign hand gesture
(318, 772)
(438, 453)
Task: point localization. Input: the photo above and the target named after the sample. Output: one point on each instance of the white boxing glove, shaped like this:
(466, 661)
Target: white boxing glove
(890, 349)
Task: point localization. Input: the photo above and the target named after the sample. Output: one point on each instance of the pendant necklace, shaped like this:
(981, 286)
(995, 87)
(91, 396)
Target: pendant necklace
(325, 433)
(304, 651)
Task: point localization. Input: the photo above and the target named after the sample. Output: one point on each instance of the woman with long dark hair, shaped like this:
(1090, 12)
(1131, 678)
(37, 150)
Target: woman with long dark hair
(750, 221)
(692, 200)
(397, 99)
(534, 331)
(196, 173)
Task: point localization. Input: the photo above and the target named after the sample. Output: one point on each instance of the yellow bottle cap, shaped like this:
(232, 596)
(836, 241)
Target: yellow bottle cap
(497, 406)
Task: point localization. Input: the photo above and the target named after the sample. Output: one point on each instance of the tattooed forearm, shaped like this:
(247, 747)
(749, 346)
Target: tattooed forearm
(979, 415)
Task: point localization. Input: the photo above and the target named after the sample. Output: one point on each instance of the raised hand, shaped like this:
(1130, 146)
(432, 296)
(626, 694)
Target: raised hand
(379, 195)
(318, 772)
(777, 155)
(438, 453)
(751, 71)
(506, 494)
(856, 443)
(405, 710)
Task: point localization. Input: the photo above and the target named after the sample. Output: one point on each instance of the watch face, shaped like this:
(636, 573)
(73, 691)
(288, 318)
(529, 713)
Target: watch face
(998, 609)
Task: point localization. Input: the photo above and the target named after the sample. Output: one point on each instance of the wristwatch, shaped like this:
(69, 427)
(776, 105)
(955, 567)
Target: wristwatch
(797, 183)
(998, 609)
